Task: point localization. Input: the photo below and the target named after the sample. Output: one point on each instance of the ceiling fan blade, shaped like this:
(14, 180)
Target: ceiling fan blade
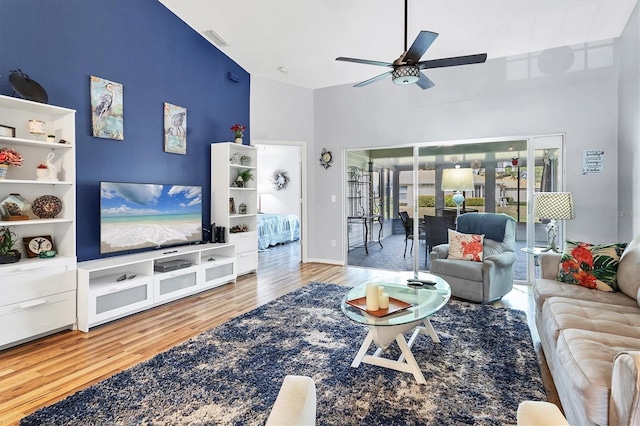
(424, 82)
(419, 46)
(374, 79)
(365, 61)
(452, 62)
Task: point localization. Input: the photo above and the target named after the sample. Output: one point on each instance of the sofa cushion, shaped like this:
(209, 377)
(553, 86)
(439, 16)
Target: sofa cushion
(587, 358)
(561, 313)
(591, 266)
(629, 269)
(465, 246)
(546, 288)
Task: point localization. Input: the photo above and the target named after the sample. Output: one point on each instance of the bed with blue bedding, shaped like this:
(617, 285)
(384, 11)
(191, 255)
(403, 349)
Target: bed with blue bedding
(276, 229)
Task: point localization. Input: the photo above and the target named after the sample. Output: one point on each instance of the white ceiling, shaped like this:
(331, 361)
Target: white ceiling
(305, 36)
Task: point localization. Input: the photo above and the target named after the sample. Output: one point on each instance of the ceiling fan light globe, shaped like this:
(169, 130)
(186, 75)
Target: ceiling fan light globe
(407, 74)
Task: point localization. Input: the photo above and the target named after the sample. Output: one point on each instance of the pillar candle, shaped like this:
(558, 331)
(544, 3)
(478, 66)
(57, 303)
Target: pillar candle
(373, 302)
(384, 301)
(380, 290)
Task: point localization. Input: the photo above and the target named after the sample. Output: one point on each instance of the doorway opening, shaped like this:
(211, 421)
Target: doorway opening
(281, 182)
(408, 181)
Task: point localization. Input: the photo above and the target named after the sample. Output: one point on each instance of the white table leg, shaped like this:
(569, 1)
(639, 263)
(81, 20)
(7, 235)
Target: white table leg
(363, 349)
(432, 332)
(381, 337)
(425, 328)
(414, 368)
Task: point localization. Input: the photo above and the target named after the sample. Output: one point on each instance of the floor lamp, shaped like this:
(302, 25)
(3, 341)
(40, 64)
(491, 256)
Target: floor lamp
(553, 206)
(457, 180)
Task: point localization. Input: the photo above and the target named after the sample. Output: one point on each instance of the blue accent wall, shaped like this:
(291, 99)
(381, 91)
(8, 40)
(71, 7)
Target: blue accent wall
(157, 58)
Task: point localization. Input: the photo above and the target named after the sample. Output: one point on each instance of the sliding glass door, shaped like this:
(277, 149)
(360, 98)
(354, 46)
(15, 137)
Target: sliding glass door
(505, 174)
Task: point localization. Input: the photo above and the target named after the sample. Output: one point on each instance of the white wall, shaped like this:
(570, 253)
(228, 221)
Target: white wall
(469, 102)
(270, 159)
(478, 101)
(628, 53)
(282, 112)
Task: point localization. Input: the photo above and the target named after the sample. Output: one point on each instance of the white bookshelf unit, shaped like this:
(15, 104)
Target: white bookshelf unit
(37, 296)
(224, 172)
(114, 287)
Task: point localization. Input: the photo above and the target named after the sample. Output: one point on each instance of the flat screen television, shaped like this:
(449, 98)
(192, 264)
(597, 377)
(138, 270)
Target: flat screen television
(136, 216)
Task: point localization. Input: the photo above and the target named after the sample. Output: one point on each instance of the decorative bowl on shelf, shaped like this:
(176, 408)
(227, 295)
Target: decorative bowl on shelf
(46, 206)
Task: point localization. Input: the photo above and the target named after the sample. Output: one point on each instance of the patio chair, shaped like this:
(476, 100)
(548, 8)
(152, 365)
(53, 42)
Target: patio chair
(407, 223)
(436, 231)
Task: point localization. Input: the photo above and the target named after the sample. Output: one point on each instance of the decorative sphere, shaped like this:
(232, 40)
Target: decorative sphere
(458, 198)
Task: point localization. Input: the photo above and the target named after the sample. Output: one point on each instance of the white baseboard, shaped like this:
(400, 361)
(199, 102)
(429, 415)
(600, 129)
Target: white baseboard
(327, 261)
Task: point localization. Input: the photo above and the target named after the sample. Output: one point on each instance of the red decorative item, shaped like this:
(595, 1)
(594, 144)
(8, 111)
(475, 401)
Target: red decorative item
(514, 161)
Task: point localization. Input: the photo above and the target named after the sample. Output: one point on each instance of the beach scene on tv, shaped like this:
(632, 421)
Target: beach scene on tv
(136, 216)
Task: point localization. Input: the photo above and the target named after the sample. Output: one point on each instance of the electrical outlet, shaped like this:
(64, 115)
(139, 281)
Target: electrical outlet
(333, 243)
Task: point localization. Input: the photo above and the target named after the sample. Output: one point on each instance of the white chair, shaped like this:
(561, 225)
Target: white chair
(295, 404)
(540, 413)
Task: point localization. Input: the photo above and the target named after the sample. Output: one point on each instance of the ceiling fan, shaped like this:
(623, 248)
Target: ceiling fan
(406, 69)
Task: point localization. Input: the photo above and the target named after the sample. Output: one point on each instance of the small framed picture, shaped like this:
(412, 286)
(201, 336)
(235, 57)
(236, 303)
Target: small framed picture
(175, 129)
(7, 131)
(232, 206)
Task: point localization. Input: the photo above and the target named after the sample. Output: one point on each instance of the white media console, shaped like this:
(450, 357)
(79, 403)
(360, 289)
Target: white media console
(114, 287)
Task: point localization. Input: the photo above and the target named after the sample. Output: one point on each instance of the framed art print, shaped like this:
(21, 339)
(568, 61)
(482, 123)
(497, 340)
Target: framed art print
(175, 129)
(107, 116)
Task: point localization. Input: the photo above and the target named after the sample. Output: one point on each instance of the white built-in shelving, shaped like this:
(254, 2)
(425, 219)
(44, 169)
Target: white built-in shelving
(38, 296)
(225, 167)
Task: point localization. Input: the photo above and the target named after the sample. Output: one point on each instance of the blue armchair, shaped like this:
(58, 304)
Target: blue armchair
(490, 279)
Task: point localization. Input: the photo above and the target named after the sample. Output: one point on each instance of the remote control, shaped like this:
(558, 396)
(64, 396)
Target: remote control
(414, 281)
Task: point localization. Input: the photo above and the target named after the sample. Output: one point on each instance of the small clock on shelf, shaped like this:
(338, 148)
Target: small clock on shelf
(36, 245)
(326, 158)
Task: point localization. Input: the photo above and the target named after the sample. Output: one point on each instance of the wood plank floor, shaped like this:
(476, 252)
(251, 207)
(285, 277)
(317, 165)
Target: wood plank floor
(39, 373)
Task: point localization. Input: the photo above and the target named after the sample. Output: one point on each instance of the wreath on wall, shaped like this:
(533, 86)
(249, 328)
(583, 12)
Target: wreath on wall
(280, 179)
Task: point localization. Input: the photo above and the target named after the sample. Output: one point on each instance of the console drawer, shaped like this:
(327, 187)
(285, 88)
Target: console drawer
(244, 241)
(31, 281)
(36, 316)
(112, 299)
(247, 262)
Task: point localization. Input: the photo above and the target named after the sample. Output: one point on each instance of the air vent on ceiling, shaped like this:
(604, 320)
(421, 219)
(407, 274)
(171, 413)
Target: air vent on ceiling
(215, 38)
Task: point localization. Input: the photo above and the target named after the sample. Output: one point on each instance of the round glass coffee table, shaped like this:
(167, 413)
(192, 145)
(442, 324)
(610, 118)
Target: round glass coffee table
(385, 328)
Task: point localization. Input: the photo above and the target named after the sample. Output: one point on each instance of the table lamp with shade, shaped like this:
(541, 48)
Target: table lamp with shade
(457, 180)
(263, 189)
(553, 206)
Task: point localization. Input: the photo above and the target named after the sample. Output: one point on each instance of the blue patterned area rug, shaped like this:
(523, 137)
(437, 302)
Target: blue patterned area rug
(231, 374)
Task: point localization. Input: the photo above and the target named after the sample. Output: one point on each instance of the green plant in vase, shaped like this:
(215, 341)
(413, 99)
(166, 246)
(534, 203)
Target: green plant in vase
(244, 176)
(8, 239)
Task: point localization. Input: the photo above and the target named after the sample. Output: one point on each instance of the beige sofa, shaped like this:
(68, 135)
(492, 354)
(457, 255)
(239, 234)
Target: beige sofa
(591, 341)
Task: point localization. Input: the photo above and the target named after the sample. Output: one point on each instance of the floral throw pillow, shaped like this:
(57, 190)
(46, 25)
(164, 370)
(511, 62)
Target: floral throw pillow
(591, 266)
(465, 246)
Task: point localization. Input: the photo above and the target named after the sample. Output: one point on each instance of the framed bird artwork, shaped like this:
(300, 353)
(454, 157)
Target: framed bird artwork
(175, 129)
(107, 116)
